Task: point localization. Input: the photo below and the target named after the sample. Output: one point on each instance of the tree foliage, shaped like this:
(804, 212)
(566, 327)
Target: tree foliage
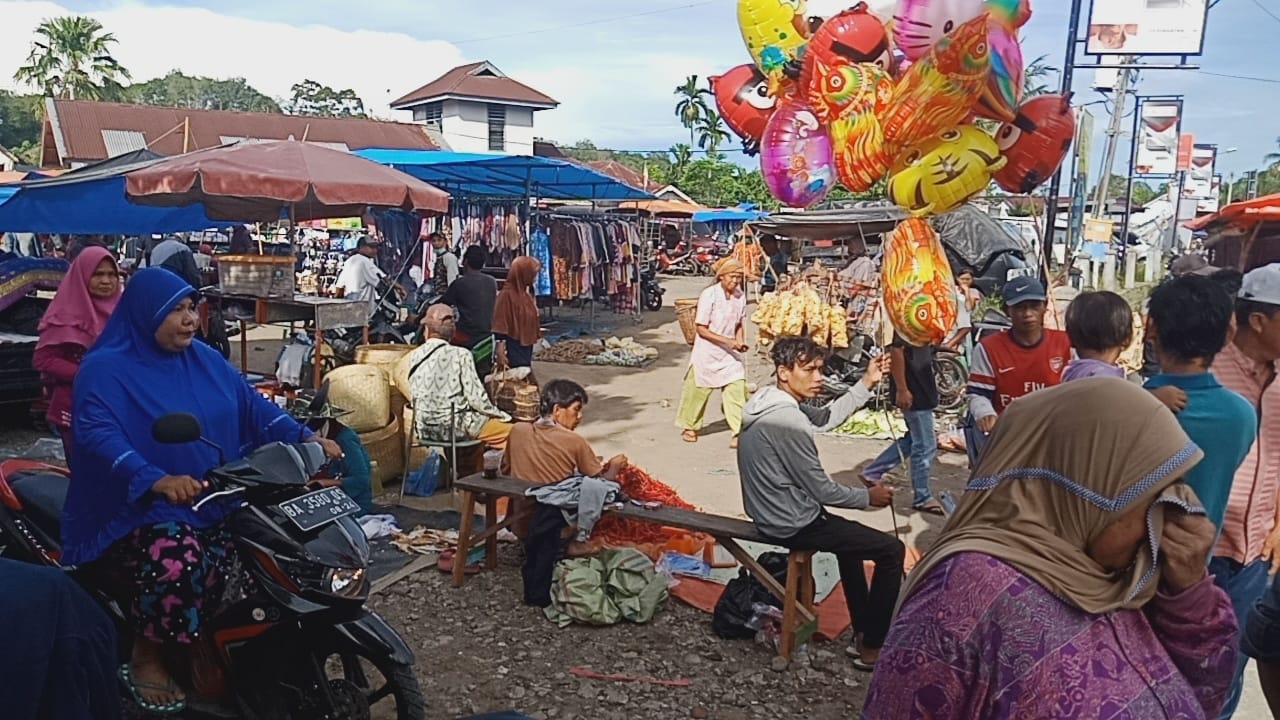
(71, 58)
(312, 98)
(1039, 78)
(692, 105)
(177, 89)
(20, 122)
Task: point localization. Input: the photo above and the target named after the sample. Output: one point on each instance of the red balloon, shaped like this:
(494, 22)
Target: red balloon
(1036, 142)
(847, 38)
(742, 97)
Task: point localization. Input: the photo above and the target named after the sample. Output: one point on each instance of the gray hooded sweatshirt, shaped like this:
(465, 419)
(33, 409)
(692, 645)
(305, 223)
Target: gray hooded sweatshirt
(784, 486)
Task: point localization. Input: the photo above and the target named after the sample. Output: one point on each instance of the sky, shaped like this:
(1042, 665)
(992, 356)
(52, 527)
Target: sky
(612, 65)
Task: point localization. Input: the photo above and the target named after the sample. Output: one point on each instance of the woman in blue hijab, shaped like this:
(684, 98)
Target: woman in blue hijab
(129, 504)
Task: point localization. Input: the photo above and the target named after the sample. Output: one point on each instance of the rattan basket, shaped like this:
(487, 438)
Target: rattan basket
(384, 356)
(519, 400)
(386, 453)
(687, 313)
(400, 375)
(364, 390)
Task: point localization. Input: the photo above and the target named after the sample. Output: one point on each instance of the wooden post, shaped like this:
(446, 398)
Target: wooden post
(1247, 247)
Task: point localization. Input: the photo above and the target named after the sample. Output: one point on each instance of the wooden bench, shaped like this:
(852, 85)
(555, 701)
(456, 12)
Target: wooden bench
(799, 618)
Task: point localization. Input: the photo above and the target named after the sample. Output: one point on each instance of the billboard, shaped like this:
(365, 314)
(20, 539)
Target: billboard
(1147, 27)
(1159, 130)
(1199, 183)
(1186, 145)
(1211, 204)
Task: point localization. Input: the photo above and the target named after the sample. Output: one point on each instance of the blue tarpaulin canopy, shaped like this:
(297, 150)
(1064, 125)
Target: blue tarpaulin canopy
(509, 176)
(91, 201)
(743, 213)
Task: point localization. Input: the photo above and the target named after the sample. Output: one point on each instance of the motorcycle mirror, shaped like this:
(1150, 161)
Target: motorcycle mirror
(176, 428)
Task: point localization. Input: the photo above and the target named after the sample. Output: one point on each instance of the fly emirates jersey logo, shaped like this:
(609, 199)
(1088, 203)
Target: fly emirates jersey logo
(1021, 371)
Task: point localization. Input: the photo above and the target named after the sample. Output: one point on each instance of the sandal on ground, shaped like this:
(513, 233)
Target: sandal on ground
(136, 688)
(933, 507)
(445, 563)
(689, 436)
(858, 664)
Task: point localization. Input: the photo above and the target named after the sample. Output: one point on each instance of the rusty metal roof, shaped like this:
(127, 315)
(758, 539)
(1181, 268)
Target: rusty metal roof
(87, 131)
(476, 81)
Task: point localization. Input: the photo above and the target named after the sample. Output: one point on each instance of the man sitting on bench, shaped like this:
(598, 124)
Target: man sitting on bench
(549, 450)
(785, 489)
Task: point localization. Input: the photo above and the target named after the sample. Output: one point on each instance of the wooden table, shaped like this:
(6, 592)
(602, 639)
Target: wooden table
(325, 313)
(799, 619)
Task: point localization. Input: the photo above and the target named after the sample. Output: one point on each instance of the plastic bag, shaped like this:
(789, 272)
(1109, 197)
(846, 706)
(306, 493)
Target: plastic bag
(735, 610)
(424, 482)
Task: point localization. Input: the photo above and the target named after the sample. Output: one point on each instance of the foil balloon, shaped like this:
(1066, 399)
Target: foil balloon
(1012, 14)
(775, 32)
(919, 289)
(795, 156)
(940, 175)
(837, 89)
(1003, 90)
(918, 25)
(743, 100)
(861, 156)
(847, 38)
(938, 91)
(1036, 142)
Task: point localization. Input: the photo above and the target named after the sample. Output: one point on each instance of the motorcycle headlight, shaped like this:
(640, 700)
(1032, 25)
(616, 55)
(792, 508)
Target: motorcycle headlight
(346, 582)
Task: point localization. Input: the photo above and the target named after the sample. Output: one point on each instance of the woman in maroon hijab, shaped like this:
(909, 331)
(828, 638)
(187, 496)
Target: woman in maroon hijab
(87, 296)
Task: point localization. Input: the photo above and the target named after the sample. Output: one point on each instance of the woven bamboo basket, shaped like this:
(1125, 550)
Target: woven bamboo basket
(400, 375)
(384, 356)
(364, 390)
(527, 403)
(386, 453)
(687, 313)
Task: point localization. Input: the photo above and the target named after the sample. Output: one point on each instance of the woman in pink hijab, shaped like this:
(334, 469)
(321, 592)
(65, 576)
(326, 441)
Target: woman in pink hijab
(71, 325)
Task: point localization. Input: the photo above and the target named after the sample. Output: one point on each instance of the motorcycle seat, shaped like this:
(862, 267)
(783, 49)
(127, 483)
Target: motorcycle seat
(42, 494)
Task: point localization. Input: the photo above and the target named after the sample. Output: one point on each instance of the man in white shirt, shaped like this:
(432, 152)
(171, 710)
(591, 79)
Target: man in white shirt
(360, 274)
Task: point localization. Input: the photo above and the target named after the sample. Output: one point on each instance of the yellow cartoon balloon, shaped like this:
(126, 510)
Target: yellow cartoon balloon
(918, 285)
(939, 175)
(775, 32)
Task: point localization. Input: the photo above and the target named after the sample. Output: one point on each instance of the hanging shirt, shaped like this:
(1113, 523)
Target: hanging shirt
(359, 279)
(713, 365)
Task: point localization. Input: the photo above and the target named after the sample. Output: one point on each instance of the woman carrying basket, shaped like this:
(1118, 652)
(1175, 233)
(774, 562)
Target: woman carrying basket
(716, 361)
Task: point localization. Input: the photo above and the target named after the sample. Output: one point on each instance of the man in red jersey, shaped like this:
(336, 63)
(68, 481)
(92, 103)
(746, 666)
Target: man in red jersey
(1016, 362)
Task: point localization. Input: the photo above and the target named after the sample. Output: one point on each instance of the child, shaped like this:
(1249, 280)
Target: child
(1100, 325)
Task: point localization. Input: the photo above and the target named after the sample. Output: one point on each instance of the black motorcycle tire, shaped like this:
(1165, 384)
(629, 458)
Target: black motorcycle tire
(652, 301)
(401, 681)
(952, 378)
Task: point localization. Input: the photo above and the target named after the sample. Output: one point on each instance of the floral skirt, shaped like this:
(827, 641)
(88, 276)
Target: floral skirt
(179, 575)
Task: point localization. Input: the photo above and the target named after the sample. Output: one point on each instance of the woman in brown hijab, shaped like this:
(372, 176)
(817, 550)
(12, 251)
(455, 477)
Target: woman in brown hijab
(1071, 581)
(516, 326)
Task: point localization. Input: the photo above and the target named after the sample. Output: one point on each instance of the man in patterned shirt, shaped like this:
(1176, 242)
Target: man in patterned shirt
(1025, 358)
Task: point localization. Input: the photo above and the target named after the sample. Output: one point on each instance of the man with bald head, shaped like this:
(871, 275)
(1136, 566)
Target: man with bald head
(448, 398)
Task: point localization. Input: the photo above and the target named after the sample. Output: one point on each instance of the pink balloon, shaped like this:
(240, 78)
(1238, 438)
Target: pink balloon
(796, 156)
(919, 24)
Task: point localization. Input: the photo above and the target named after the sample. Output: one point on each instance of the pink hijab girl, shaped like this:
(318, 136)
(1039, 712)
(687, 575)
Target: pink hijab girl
(71, 325)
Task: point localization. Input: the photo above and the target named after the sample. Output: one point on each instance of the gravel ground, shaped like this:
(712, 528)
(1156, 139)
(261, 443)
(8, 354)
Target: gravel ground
(479, 649)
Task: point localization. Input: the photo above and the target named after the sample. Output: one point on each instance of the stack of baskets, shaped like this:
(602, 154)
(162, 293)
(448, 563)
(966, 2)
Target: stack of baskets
(377, 409)
(687, 313)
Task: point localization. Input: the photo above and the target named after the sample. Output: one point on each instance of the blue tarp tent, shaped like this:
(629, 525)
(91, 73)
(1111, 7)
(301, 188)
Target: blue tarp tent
(91, 201)
(509, 176)
(745, 212)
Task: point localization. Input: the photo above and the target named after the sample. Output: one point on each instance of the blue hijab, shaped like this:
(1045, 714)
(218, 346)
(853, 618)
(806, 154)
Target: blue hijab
(125, 383)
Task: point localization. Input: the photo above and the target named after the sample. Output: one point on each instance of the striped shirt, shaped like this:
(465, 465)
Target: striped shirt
(1251, 508)
(1003, 371)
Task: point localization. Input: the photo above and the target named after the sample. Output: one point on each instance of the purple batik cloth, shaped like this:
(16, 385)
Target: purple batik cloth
(979, 639)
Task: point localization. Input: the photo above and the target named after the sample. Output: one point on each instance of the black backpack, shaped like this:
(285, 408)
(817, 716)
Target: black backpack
(733, 610)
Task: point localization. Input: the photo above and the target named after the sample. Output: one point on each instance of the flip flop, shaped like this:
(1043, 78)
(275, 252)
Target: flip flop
(445, 563)
(933, 507)
(858, 664)
(135, 690)
(689, 436)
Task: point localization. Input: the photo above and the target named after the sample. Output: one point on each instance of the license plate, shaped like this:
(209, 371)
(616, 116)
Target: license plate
(312, 510)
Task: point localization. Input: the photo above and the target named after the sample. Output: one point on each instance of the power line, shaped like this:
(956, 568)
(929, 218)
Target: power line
(586, 23)
(1266, 10)
(1274, 81)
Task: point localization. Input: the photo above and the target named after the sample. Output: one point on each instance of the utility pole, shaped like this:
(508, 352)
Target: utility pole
(1055, 183)
(1113, 140)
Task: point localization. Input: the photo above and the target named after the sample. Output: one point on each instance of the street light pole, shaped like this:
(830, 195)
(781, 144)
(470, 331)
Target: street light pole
(1055, 184)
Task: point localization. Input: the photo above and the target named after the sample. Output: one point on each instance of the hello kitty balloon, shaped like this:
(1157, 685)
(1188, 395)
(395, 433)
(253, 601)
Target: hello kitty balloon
(919, 24)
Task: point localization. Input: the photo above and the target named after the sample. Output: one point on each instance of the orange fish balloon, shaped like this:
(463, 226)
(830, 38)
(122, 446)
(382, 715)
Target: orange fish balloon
(839, 88)
(919, 289)
(939, 91)
(860, 154)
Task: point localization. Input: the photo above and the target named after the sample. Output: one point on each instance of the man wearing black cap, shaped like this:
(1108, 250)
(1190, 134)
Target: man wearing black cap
(1016, 362)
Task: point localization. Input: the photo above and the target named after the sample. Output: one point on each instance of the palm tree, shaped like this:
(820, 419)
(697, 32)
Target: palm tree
(1036, 76)
(681, 158)
(1272, 159)
(71, 58)
(711, 132)
(692, 105)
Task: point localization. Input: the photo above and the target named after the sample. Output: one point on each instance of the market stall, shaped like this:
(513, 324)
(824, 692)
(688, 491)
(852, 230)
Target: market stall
(1243, 235)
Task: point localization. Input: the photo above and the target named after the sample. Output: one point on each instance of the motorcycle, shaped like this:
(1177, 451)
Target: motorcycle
(298, 643)
(651, 290)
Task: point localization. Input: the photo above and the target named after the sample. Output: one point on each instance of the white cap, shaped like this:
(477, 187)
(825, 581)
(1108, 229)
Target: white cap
(1262, 285)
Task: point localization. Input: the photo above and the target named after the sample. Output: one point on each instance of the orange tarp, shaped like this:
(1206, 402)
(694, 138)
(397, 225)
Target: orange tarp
(1246, 213)
(661, 207)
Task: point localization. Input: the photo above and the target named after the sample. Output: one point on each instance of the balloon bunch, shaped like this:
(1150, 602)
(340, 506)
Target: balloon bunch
(859, 97)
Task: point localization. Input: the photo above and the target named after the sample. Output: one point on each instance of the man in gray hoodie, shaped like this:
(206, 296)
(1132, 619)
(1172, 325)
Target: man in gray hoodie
(785, 490)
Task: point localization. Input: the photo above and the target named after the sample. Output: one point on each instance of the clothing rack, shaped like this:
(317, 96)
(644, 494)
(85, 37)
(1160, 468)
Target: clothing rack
(587, 256)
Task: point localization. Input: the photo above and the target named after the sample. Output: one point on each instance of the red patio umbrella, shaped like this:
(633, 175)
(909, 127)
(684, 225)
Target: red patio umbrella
(260, 182)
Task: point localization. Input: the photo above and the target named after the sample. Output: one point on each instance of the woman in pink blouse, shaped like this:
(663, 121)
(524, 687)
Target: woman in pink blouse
(71, 324)
(716, 362)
